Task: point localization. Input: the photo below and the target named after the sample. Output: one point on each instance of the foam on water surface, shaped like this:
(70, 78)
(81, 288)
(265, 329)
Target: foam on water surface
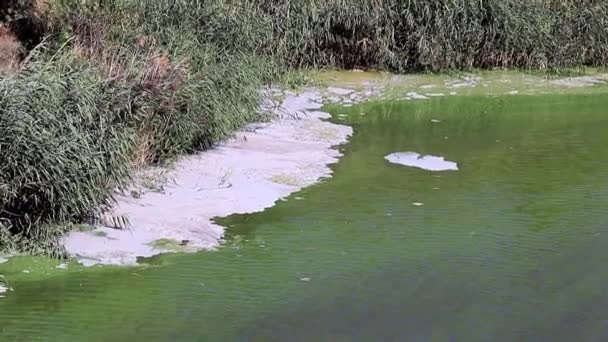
(425, 162)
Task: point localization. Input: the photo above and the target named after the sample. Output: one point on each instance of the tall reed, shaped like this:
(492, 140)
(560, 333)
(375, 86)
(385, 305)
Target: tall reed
(121, 84)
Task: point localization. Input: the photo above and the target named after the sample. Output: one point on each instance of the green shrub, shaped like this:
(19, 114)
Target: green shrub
(65, 143)
(419, 35)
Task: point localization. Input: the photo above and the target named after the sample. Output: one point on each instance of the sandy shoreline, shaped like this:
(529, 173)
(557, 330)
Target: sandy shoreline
(262, 164)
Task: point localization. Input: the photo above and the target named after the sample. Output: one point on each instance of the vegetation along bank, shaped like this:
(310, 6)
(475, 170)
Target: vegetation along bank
(92, 91)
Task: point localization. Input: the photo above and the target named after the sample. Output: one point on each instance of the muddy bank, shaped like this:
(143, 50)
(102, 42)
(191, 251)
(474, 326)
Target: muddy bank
(262, 164)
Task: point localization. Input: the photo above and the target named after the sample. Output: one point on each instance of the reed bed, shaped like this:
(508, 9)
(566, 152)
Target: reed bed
(117, 85)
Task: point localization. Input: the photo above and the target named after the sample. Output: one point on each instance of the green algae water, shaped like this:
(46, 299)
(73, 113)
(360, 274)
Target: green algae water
(512, 246)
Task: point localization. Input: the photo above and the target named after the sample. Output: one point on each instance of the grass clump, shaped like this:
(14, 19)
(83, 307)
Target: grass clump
(98, 101)
(65, 143)
(419, 35)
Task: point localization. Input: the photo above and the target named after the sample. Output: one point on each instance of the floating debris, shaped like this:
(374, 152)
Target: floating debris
(3, 287)
(435, 121)
(416, 96)
(340, 91)
(418, 204)
(63, 266)
(428, 162)
(581, 81)
(465, 82)
(306, 279)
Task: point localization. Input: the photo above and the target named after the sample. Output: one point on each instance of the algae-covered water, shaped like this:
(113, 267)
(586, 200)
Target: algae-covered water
(512, 246)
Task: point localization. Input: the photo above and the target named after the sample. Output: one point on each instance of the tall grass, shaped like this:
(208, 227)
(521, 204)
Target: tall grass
(99, 100)
(121, 84)
(418, 35)
(65, 142)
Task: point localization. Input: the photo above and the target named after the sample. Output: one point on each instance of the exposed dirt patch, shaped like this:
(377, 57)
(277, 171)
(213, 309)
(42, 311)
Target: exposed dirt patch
(22, 27)
(10, 50)
(25, 20)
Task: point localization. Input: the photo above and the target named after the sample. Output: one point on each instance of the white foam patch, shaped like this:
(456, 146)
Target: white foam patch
(246, 174)
(340, 91)
(3, 288)
(428, 162)
(416, 96)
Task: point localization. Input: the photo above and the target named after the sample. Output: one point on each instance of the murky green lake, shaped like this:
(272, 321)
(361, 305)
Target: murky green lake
(513, 246)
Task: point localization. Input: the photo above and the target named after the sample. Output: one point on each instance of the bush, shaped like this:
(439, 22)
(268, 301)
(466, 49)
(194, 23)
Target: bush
(65, 143)
(85, 111)
(420, 35)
